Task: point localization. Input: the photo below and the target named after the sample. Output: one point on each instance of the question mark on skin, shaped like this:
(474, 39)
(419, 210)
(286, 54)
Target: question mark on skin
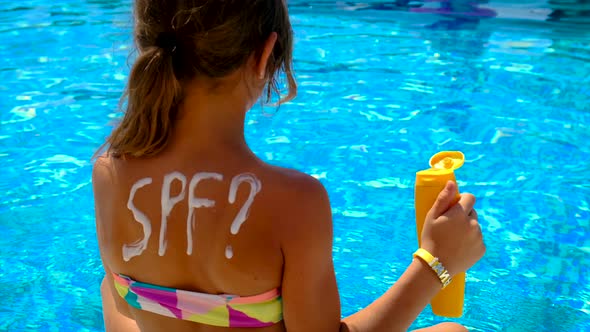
(255, 186)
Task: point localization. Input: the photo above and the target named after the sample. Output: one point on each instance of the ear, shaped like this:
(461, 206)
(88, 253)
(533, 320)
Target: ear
(266, 52)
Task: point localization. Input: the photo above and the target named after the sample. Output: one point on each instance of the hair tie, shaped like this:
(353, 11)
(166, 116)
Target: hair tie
(167, 41)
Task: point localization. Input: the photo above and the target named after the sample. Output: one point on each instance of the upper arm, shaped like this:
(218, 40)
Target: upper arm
(103, 181)
(102, 188)
(310, 294)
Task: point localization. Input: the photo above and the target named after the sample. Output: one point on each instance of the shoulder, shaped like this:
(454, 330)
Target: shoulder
(102, 171)
(293, 184)
(106, 181)
(303, 203)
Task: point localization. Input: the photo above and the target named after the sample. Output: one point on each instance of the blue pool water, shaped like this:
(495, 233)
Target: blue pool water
(381, 89)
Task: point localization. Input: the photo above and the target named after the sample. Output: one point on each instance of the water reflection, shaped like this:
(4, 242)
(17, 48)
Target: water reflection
(568, 11)
(466, 11)
(468, 26)
(109, 4)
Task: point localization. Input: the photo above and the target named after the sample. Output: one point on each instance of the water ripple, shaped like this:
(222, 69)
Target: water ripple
(380, 91)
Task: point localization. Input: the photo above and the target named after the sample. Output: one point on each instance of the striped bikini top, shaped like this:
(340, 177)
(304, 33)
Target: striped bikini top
(216, 310)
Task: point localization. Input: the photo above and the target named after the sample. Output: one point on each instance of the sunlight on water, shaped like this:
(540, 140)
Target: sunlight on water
(383, 85)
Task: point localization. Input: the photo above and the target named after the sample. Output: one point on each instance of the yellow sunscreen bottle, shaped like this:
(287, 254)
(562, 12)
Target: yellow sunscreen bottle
(429, 183)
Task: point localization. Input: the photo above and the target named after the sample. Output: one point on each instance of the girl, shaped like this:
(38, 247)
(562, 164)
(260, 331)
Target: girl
(198, 234)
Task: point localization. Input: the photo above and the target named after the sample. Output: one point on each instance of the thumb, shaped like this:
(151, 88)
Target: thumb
(444, 200)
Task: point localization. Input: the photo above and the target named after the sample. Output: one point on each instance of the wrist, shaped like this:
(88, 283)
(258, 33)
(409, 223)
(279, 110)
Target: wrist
(443, 259)
(436, 267)
(425, 273)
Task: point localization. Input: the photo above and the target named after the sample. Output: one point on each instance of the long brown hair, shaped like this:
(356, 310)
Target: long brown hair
(179, 40)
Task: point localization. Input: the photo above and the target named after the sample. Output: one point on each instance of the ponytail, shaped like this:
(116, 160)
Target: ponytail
(152, 96)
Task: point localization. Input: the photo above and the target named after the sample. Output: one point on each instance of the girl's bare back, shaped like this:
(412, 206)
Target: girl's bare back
(213, 224)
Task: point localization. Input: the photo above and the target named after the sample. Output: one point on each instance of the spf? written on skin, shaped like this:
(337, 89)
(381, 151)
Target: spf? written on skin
(168, 202)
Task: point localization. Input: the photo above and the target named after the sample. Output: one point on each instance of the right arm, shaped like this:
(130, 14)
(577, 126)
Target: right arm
(310, 294)
(116, 314)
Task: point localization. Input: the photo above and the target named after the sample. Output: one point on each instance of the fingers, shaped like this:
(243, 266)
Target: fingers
(444, 200)
(467, 202)
(463, 209)
(473, 220)
(476, 228)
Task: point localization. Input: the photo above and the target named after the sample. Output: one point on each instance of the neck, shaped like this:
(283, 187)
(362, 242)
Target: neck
(209, 120)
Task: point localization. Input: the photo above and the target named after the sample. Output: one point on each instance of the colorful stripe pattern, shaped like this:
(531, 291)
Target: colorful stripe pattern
(216, 310)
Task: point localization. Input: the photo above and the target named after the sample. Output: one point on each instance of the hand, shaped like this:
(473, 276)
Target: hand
(452, 232)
